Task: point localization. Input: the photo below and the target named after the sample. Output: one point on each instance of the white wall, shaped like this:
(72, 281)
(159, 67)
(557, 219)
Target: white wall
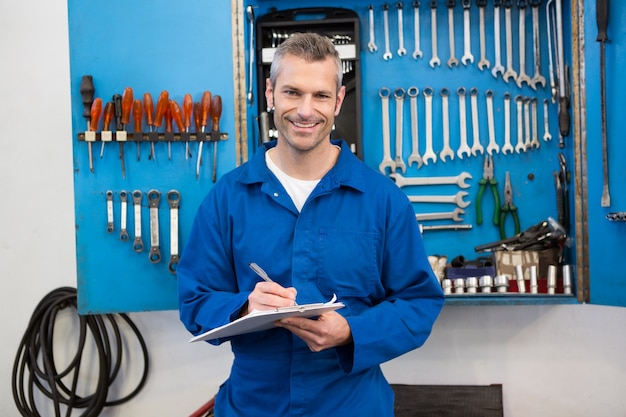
(552, 360)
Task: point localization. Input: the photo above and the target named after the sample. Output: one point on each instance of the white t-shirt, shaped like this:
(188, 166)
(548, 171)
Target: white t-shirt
(298, 190)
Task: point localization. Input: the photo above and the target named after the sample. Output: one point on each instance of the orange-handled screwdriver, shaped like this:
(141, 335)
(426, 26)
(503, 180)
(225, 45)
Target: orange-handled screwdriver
(187, 113)
(137, 117)
(216, 113)
(205, 111)
(107, 134)
(169, 136)
(148, 109)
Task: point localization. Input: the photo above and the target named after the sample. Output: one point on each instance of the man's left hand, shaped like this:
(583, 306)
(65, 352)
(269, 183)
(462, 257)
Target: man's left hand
(328, 330)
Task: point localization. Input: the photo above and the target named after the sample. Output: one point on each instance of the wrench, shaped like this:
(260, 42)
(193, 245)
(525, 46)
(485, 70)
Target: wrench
(109, 200)
(371, 45)
(417, 53)
(507, 125)
(483, 63)
(492, 146)
(401, 49)
(250, 13)
(550, 57)
(476, 146)
(463, 148)
(546, 123)
(415, 157)
(537, 77)
(522, 77)
(452, 61)
(387, 162)
(510, 72)
(399, 96)
(535, 131)
(497, 68)
(446, 151)
(467, 43)
(452, 199)
(137, 242)
(387, 55)
(527, 138)
(123, 214)
(434, 61)
(452, 215)
(154, 197)
(459, 180)
(173, 199)
(429, 154)
(520, 147)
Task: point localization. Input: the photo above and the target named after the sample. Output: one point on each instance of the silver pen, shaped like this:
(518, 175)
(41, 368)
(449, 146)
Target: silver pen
(260, 272)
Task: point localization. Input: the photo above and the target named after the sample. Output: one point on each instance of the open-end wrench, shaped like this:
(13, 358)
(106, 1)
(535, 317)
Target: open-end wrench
(484, 62)
(401, 49)
(452, 215)
(497, 67)
(417, 52)
(123, 215)
(371, 45)
(467, 43)
(535, 128)
(154, 196)
(510, 72)
(110, 221)
(522, 77)
(428, 99)
(520, 146)
(492, 146)
(507, 148)
(434, 61)
(173, 200)
(458, 180)
(476, 145)
(387, 55)
(137, 242)
(415, 156)
(537, 77)
(546, 122)
(527, 136)
(451, 199)
(398, 94)
(452, 61)
(445, 121)
(463, 148)
(387, 162)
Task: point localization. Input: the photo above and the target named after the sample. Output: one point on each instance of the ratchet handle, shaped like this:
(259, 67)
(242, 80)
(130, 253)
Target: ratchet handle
(602, 19)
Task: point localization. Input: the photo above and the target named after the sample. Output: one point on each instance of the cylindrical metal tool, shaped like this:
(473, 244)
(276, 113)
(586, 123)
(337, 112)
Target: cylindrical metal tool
(486, 282)
(446, 285)
(459, 285)
(533, 279)
(519, 275)
(551, 279)
(471, 284)
(501, 282)
(567, 279)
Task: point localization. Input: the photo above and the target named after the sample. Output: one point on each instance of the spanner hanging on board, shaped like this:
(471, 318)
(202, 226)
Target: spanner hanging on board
(154, 197)
(602, 18)
(173, 200)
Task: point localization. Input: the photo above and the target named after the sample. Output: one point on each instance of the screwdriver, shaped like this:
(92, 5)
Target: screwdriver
(161, 106)
(216, 113)
(187, 111)
(107, 134)
(169, 135)
(177, 116)
(148, 108)
(95, 111)
(126, 105)
(205, 110)
(137, 135)
(602, 19)
(87, 91)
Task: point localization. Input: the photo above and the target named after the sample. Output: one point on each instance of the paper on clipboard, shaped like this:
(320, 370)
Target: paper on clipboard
(264, 320)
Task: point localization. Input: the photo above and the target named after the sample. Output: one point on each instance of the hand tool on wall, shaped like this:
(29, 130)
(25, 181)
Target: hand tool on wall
(398, 95)
(415, 156)
(497, 67)
(126, 107)
(177, 116)
(507, 148)
(250, 15)
(522, 77)
(458, 180)
(434, 61)
(534, 123)
(417, 52)
(519, 103)
(387, 162)
(107, 135)
(508, 208)
(510, 72)
(90, 136)
(452, 62)
(562, 193)
(154, 196)
(87, 91)
(454, 215)
(117, 111)
(148, 109)
(161, 107)
(484, 62)
(493, 145)
(173, 200)
(564, 116)
(387, 55)
(477, 147)
(537, 77)
(371, 45)
(446, 152)
(551, 40)
(169, 132)
(123, 214)
(429, 154)
(439, 227)
(401, 49)
(527, 137)
(602, 19)
(187, 113)
(110, 221)
(216, 113)
(546, 121)
(463, 147)
(137, 120)
(137, 242)
(488, 180)
(467, 43)
(444, 199)
(204, 110)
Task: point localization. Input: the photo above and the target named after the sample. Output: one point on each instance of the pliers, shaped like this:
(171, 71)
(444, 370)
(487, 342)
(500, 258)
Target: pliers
(488, 179)
(508, 207)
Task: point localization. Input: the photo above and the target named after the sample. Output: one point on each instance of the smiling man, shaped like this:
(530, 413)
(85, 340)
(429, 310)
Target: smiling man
(320, 223)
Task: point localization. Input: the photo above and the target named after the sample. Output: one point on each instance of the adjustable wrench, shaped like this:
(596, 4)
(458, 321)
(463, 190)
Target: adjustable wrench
(463, 148)
(417, 53)
(492, 146)
(546, 122)
(535, 129)
(452, 61)
(520, 146)
(527, 138)
(458, 180)
(387, 55)
(371, 45)
(497, 67)
(387, 162)
(507, 125)
(110, 222)
(537, 77)
(123, 214)
(173, 199)
(452, 215)
(137, 242)
(154, 197)
(445, 121)
(415, 156)
(510, 72)
(483, 63)
(467, 43)
(522, 77)
(452, 199)
(476, 146)
(401, 48)
(399, 96)
(434, 61)
(429, 154)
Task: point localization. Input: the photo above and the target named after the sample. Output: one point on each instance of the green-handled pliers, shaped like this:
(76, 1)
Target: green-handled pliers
(508, 207)
(488, 179)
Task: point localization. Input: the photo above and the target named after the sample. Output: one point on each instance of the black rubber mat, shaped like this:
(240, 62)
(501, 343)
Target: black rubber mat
(448, 400)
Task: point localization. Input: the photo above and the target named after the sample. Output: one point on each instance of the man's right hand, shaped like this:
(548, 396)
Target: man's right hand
(270, 295)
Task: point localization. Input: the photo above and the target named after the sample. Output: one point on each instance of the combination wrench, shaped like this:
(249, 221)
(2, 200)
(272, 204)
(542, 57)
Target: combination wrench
(110, 221)
(458, 180)
(452, 215)
(445, 121)
(398, 94)
(428, 99)
(507, 148)
(417, 52)
(434, 61)
(520, 146)
(527, 136)
(401, 49)
(467, 43)
(510, 72)
(445, 199)
(484, 62)
(497, 67)
(387, 55)
(387, 162)
(154, 197)
(537, 77)
(137, 242)
(415, 156)
(173, 200)
(535, 129)
(463, 148)
(123, 216)
(476, 145)
(492, 146)
(546, 122)
(522, 77)
(371, 45)
(452, 61)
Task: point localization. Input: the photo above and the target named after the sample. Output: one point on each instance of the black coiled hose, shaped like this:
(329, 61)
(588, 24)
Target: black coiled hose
(35, 370)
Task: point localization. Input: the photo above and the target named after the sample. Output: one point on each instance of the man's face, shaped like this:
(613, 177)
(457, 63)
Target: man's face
(306, 101)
